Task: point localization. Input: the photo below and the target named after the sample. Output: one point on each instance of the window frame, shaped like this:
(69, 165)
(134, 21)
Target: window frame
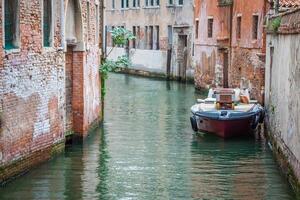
(51, 35)
(239, 27)
(113, 4)
(255, 26)
(17, 40)
(197, 28)
(210, 27)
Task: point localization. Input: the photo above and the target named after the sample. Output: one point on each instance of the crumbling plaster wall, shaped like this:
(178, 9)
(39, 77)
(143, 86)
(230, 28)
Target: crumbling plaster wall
(282, 96)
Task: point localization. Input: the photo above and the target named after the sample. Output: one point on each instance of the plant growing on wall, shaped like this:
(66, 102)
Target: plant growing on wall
(120, 37)
(274, 24)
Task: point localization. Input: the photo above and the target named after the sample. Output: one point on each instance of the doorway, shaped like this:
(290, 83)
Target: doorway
(182, 56)
(225, 69)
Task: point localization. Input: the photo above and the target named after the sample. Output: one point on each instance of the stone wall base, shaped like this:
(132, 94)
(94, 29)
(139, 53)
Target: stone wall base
(158, 75)
(21, 166)
(288, 164)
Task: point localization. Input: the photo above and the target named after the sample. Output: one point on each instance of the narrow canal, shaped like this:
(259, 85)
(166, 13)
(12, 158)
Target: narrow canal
(146, 150)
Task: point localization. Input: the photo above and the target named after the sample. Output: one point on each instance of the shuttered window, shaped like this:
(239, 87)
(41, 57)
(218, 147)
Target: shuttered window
(47, 23)
(10, 24)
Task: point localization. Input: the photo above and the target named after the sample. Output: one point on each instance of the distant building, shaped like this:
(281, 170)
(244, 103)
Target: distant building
(229, 44)
(282, 89)
(49, 80)
(164, 34)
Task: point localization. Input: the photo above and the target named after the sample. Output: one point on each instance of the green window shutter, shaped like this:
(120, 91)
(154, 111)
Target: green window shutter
(47, 22)
(8, 25)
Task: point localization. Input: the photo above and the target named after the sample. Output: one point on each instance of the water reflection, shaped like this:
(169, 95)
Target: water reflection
(146, 150)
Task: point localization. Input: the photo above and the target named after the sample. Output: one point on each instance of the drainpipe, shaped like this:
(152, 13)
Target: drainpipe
(62, 26)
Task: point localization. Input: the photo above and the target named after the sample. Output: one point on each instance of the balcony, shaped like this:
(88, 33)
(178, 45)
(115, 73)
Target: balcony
(224, 3)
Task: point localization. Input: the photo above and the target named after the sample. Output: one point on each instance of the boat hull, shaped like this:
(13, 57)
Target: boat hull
(226, 128)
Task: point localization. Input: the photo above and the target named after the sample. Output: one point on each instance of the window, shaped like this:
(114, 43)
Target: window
(210, 25)
(151, 2)
(134, 40)
(11, 24)
(238, 27)
(135, 3)
(157, 37)
(150, 37)
(197, 29)
(124, 3)
(171, 2)
(138, 33)
(170, 36)
(255, 27)
(112, 41)
(147, 2)
(113, 4)
(47, 20)
(157, 2)
(180, 2)
(146, 45)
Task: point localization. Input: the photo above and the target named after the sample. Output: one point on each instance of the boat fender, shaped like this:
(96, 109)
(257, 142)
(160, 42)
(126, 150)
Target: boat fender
(255, 121)
(261, 116)
(194, 123)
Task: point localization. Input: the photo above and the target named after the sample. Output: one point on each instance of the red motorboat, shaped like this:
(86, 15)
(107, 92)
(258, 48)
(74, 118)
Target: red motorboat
(227, 114)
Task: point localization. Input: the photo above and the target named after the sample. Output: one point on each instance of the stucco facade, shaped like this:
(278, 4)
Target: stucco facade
(164, 34)
(282, 97)
(229, 44)
(46, 91)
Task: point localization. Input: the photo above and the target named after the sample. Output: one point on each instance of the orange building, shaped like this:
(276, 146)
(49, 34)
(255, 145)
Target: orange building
(229, 48)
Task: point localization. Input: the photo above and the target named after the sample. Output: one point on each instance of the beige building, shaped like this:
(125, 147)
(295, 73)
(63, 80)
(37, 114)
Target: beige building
(164, 32)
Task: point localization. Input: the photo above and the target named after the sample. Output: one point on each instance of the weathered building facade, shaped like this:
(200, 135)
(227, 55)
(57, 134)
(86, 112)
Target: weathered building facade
(164, 34)
(49, 80)
(282, 95)
(229, 44)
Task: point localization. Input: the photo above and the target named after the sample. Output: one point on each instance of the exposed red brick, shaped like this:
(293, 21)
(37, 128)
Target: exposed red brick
(34, 93)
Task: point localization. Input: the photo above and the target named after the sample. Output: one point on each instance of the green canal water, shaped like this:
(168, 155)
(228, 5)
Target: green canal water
(146, 149)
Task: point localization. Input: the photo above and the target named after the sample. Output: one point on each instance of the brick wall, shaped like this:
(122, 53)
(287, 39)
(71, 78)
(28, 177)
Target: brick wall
(248, 71)
(245, 54)
(35, 90)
